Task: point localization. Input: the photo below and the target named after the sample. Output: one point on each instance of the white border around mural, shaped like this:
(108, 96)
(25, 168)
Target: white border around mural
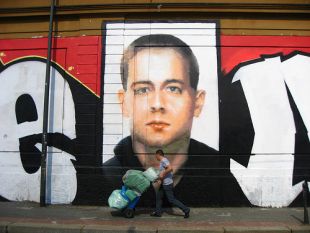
(201, 37)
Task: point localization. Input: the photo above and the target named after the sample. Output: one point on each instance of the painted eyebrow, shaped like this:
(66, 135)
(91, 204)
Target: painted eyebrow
(141, 82)
(147, 82)
(174, 81)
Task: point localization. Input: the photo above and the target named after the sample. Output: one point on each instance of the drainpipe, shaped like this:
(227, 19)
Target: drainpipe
(46, 108)
(305, 192)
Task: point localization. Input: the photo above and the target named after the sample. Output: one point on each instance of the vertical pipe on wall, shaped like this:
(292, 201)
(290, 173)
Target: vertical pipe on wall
(305, 190)
(46, 109)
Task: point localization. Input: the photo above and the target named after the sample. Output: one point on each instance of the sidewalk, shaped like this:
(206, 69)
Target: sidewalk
(26, 217)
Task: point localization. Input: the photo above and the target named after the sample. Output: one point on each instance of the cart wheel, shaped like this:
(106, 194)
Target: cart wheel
(129, 213)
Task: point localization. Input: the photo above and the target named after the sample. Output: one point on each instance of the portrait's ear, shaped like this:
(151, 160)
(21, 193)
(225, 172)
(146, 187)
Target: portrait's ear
(121, 97)
(199, 102)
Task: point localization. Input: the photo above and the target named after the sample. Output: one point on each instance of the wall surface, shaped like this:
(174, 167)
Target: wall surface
(237, 138)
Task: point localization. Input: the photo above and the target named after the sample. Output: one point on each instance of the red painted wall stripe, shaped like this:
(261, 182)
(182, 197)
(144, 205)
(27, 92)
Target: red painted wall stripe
(82, 57)
(237, 49)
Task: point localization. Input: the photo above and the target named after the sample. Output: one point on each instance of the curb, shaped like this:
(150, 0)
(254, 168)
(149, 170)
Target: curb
(9, 227)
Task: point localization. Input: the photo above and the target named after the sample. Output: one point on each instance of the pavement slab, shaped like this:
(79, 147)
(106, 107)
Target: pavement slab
(257, 229)
(3, 226)
(29, 217)
(119, 229)
(193, 229)
(300, 229)
(43, 228)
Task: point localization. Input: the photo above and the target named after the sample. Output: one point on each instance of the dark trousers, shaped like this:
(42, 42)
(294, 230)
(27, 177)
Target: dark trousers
(168, 190)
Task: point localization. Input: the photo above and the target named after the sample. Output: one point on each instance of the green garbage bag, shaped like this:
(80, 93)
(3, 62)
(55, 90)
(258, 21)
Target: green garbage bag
(151, 173)
(136, 181)
(116, 200)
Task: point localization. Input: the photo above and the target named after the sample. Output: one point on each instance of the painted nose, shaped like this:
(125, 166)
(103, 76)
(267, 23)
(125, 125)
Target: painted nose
(157, 103)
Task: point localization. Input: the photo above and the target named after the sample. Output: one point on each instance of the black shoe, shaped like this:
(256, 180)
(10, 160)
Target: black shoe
(187, 214)
(155, 214)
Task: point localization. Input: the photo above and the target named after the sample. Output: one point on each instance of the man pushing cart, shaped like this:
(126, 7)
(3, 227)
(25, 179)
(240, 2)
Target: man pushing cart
(135, 184)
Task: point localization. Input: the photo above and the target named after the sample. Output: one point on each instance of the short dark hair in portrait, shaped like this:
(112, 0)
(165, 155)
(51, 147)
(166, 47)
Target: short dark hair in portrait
(161, 41)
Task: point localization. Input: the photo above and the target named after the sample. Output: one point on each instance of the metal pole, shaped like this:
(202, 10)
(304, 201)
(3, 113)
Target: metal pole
(305, 191)
(46, 108)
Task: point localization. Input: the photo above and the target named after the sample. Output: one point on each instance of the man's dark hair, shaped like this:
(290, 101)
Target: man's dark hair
(161, 41)
(160, 152)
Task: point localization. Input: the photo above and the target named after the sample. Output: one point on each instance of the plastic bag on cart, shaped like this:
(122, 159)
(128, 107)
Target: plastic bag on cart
(136, 181)
(151, 173)
(116, 200)
(131, 194)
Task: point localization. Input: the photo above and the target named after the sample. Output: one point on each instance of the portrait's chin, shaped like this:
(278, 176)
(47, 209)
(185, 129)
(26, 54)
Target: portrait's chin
(154, 140)
(158, 143)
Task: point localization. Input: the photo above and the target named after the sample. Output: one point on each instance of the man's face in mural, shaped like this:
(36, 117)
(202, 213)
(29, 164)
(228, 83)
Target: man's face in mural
(159, 99)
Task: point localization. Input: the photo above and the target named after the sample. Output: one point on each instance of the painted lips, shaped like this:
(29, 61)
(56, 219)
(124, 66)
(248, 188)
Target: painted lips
(157, 125)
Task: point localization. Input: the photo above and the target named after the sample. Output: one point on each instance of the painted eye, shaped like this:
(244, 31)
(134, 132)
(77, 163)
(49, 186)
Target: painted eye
(174, 89)
(141, 91)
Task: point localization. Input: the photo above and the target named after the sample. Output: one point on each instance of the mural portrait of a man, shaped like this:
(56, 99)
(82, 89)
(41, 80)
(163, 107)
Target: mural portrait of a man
(160, 99)
(160, 96)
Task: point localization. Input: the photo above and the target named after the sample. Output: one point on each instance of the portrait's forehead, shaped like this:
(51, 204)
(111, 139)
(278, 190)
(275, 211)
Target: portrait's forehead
(158, 56)
(158, 64)
(157, 50)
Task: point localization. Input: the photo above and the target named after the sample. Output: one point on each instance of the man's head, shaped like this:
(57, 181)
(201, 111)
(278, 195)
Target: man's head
(160, 96)
(159, 155)
(161, 41)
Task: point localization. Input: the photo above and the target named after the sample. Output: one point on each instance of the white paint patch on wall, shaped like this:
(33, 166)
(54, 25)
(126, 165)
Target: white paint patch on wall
(267, 180)
(28, 77)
